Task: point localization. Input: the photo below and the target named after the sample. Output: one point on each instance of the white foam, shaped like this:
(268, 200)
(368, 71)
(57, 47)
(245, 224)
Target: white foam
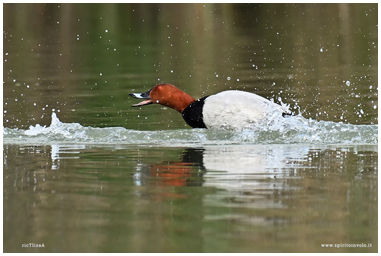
(289, 130)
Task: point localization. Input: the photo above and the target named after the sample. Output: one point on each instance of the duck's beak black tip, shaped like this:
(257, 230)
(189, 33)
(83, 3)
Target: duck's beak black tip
(144, 95)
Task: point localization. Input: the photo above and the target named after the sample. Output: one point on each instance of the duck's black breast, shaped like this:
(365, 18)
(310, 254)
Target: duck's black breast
(193, 114)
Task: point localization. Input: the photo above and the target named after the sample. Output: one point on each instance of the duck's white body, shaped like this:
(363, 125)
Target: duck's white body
(235, 110)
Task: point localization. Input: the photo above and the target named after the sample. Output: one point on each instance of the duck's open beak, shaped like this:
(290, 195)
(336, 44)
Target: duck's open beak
(144, 95)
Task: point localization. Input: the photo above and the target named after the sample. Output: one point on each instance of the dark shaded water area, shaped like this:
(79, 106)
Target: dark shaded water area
(85, 172)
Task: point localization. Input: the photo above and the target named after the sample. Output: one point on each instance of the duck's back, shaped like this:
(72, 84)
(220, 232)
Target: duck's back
(235, 110)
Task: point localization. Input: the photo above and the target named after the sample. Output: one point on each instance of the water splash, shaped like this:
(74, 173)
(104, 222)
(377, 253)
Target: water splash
(290, 130)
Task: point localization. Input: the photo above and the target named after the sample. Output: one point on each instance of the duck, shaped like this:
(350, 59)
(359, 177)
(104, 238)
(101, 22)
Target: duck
(226, 110)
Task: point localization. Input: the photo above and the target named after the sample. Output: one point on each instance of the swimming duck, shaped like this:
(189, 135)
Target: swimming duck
(231, 110)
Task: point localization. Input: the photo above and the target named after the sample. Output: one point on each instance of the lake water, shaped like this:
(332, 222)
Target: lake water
(85, 172)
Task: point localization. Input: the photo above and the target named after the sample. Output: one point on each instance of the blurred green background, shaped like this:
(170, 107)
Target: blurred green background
(83, 59)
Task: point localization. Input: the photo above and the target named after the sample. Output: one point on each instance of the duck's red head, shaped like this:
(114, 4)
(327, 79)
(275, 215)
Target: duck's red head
(166, 95)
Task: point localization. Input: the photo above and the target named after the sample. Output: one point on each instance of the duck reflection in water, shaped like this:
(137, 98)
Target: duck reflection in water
(186, 172)
(238, 169)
